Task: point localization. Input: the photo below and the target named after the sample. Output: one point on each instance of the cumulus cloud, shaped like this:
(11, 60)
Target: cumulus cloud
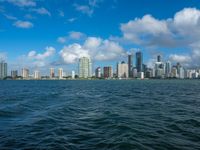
(23, 24)
(180, 58)
(183, 30)
(93, 47)
(34, 59)
(3, 56)
(41, 11)
(22, 3)
(88, 8)
(72, 35)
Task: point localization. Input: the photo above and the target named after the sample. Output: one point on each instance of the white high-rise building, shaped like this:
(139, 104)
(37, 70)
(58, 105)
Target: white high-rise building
(60, 73)
(168, 69)
(85, 67)
(52, 73)
(25, 73)
(73, 74)
(3, 69)
(122, 70)
(36, 74)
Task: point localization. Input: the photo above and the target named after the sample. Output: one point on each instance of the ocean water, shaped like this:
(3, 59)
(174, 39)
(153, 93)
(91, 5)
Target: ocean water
(91, 115)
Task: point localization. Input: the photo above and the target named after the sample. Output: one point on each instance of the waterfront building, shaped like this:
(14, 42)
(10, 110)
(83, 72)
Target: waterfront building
(174, 72)
(14, 74)
(135, 73)
(139, 61)
(98, 72)
(122, 70)
(141, 75)
(159, 68)
(107, 72)
(130, 65)
(36, 74)
(73, 74)
(168, 68)
(60, 73)
(25, 73)
(52, 73)
(3, 69)
(85, 67)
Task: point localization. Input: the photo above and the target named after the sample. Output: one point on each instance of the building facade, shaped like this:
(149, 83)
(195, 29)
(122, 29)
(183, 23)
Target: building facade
(85, 67)
(3, 69)
(139, 61)
(122, 70)
(107, 72)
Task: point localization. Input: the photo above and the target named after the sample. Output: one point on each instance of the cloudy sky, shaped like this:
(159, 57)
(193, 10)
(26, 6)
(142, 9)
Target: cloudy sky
(40, 34)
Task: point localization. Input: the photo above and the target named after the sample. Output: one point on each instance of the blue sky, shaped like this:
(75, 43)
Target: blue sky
(42, 34)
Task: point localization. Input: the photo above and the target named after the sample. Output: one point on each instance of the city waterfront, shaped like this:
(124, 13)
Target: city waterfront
(99, 114)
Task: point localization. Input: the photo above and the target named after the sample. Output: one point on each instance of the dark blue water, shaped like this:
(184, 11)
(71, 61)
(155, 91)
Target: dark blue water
(152, 114)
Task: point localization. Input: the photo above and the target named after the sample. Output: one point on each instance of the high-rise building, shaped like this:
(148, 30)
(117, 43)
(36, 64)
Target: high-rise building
(158, 58)
(3, 69)
(139, 61)
(85, 67)
(14, 74)
(174, 72)
(52, 73)
(107, 72)
(36, 74)
(130, 65)
(25, 73)
(168, 69)
(98, 72)
(60, 73)
(122, 70)
(73, 74)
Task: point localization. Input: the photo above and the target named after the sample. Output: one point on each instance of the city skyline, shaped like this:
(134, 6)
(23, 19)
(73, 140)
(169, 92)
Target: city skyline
(40, 35)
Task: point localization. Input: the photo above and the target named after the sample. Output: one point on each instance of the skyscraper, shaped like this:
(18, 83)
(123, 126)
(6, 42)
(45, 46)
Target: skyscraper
(52, 73)
(168, 69)
(60, 73)
(85, 67)
(25, 73)
(158, 58)
(3, 69)
(130, 65)
(122, 70)
(107, 72)
(139, 61)
(36, 74)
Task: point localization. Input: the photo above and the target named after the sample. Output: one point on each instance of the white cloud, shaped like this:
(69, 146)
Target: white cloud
(3, 56)
(72, 35)
(72, 19)
(22, 3)
(183, 30)
(61, 39)
(49, 52)
(180, 58)
(41, 11)
(75, 35)
(85, 9)
(88, 8)
(93, 47)
(72, 52)
(34, 59)
(10, 17)
(23, 24)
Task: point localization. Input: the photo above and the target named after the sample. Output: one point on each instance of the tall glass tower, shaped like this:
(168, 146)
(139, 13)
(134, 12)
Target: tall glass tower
(130, 65)
(139, 61)
(3, 69)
